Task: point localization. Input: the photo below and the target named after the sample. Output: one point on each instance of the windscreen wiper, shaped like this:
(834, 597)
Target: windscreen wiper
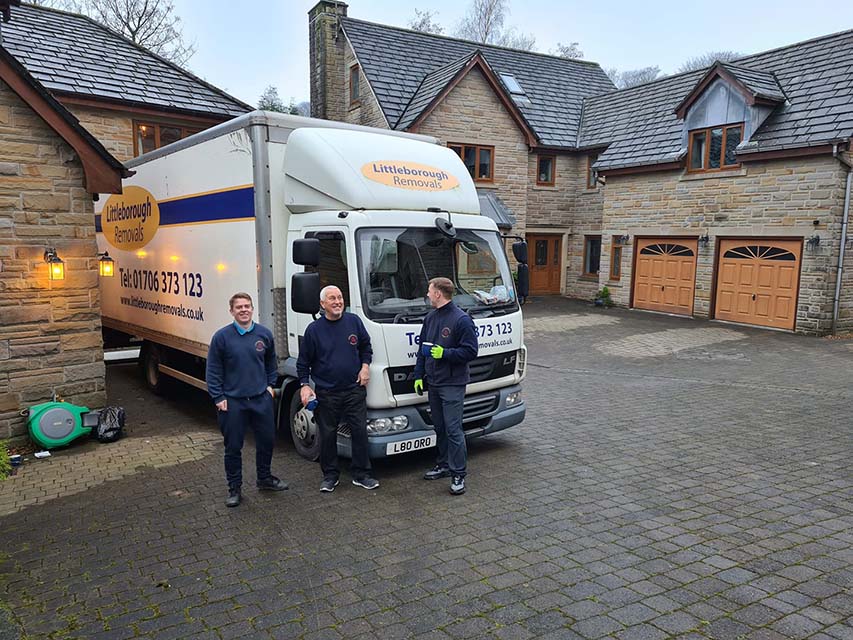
(405, 317)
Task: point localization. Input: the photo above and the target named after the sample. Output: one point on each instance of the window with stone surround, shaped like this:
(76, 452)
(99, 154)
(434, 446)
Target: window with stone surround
(148, 136)
(591, 174)
(354, 84)
(713, 149)
(616, 258)
(591, 255)
(546, 170)
(478, 159)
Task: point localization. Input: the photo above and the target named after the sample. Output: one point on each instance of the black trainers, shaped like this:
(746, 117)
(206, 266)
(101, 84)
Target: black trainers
(272, 484)
(329, 485)
(457, 485)
(437, 472)
(233, 498)
(366, 482)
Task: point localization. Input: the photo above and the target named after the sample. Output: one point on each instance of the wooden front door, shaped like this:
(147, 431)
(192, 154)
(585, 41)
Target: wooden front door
(757, 282)
(545, 263)
(665, 275)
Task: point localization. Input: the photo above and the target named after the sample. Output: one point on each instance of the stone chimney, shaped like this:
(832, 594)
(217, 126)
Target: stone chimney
(326, 46)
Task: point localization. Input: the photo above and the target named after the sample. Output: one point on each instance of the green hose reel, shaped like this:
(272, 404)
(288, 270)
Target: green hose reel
(55, 424)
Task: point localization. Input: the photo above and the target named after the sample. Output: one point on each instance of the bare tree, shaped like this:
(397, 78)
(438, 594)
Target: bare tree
(152, 24)
(707, 59)
(303, 108)
(425, 21)
(571, 50)
(270, 100)
(484, 23)
(632, 77)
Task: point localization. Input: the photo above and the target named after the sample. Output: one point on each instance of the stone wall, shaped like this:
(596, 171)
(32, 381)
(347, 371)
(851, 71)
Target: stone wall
(50, 332)
(111, 128)
(366, 110)
(797, 197)
(327, 72)
(471, 113)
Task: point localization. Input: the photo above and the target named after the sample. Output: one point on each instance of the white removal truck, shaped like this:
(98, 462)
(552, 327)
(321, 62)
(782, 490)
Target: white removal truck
(375, 212)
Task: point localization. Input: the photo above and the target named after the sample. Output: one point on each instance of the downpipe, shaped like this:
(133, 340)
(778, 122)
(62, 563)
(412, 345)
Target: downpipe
(844, 220)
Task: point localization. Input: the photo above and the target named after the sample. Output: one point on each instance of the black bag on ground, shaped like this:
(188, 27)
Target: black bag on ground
(110, 424)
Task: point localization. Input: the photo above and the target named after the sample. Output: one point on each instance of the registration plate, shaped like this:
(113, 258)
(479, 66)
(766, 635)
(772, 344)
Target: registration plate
(404, 446)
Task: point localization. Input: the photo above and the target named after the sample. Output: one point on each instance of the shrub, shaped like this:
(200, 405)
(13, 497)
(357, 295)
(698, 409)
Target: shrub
(5, 465)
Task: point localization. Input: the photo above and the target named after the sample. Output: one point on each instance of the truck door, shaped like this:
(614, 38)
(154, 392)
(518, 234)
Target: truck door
(333, 270)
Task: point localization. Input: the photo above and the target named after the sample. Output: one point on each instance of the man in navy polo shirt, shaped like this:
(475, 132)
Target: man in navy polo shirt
(241, 375)
(336, 354)
(450, 340)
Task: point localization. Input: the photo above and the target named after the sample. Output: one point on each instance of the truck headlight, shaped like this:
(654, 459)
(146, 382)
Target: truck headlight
(513, 399)
(387, 425)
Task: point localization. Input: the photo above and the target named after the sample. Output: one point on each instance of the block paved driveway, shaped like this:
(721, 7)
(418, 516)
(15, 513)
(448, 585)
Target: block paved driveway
(674, 478)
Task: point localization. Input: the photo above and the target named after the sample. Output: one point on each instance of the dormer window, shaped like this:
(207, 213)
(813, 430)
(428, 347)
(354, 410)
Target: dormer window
(515, 89)
(713, 149)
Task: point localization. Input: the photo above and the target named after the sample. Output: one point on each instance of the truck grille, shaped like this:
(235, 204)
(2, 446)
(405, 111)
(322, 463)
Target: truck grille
(489, 367)
(473, 409)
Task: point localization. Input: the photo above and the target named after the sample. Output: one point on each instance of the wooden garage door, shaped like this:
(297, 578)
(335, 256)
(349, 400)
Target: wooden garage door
(757, 282)
(665, 276)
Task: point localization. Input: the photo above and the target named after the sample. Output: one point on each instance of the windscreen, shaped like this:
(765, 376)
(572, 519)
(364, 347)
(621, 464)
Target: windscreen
(396, 265)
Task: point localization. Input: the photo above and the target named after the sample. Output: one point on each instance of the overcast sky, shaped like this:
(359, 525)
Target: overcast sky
(244, 46)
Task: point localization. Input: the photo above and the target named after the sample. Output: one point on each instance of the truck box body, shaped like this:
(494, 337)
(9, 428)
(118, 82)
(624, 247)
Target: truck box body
(218, 212)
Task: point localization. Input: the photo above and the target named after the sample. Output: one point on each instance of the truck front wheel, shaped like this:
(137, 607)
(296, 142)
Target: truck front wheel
(304, 429)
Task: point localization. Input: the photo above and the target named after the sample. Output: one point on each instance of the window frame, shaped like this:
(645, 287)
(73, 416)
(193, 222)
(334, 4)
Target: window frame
(185, 132)
(462, 146)
(616, 244)
(586, 239)
(591, 174)
(553, 158)
(706, 154)
(355, 97)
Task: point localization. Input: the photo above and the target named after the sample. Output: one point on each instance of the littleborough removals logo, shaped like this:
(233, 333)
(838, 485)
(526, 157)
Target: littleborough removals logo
(409, 175)
(353, 339)
(260, 346)
(130, 219)
(445, 332)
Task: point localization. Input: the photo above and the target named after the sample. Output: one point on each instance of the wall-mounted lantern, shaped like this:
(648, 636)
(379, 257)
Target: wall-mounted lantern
(624, 239)
(704, 240)
(55, 265)
(106, 265)
(813, 242)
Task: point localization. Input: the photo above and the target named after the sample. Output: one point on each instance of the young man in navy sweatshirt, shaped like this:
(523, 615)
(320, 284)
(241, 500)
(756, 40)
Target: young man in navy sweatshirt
(450, 340)
(241, 374)
(336, 353)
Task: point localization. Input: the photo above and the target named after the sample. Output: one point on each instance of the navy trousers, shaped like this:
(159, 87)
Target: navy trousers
(257, 413)
(445, 405)
(349, 407)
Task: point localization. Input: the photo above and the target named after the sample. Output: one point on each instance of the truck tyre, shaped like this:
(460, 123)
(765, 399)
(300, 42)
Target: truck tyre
(303, 429)
(150, 357)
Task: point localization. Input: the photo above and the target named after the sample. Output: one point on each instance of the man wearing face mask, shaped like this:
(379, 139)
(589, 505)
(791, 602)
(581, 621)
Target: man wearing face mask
(336, 353)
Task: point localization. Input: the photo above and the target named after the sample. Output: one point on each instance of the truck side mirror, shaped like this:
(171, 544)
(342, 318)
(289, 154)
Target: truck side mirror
(305, 292)
(523, 284)
(306, 252)
(519, 250)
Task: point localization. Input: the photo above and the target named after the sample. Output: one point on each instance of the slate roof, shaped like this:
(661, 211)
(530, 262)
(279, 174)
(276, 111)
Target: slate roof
(816, 77)
(762, 84)
(397, 62)
(72, 53)
(429, 88)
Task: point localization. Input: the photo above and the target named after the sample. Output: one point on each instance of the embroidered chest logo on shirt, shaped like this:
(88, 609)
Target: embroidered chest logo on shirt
(445, 332)
(353, 339)
(260, 346)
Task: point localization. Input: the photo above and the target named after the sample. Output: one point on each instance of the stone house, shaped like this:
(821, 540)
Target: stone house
(50, 329)
(513, 116)
(130, 99)
(718, 193)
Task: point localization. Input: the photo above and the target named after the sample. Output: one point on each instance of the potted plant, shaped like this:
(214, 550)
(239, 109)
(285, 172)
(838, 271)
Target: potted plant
(602, 298)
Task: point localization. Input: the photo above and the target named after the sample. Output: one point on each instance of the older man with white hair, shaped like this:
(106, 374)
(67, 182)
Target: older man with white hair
(336, 353)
